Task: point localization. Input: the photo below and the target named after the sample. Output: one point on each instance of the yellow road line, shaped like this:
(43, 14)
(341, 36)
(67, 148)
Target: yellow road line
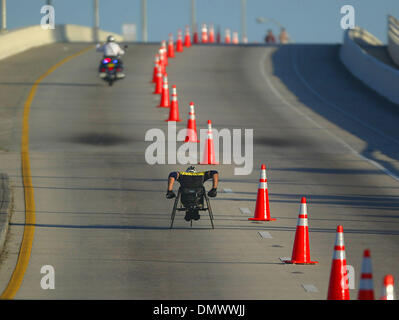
(29, 228)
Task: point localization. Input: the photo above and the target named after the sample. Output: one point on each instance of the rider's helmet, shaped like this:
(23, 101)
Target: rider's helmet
(191, 169)
(110, 39)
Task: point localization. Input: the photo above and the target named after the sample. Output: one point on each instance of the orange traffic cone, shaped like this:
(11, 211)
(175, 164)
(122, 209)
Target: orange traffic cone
(162, 61)
(179, 43)
(301, 250)
(191, 135)
(388, 290)
(227, 37)
(262, 209)
(338, 288)
(187, 38)
(235, 38)
(165, 52)
(165, 93)
(218, 36)
(174, 107)
(366, 287)
(211, 34)
(171, 50)
(204, 34)
(154, 74)
(158, 83)
(209, 150)
(195, 35)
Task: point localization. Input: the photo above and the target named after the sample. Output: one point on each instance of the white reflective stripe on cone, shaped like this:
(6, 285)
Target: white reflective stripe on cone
(339, 241)
(366, 284)
(390, 292)
(303, 209)
(366, 266)
(339, 255)
(302, 222)
(262, 185)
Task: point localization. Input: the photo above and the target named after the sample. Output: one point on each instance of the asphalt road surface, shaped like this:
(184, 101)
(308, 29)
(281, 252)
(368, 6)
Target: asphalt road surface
(102, 220)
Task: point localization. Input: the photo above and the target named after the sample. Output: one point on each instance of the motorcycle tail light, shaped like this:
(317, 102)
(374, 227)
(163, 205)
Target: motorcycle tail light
(102, 69)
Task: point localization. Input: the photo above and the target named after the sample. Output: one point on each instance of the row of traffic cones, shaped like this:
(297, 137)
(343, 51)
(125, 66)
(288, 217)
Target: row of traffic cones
(160, 78)
(339, 283)
(338, 288)
(208, 36)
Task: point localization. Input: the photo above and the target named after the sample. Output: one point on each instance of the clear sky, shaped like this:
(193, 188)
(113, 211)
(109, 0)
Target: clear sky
(310, 21)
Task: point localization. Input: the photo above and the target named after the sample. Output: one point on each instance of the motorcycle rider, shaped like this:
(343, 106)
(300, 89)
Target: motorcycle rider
(111, 50)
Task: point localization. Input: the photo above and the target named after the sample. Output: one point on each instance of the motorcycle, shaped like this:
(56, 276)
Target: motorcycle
(111, 70)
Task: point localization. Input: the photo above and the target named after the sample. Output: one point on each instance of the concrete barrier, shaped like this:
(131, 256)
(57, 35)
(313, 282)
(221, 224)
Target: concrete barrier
(377, 75)
(22, 39)
(393, 39)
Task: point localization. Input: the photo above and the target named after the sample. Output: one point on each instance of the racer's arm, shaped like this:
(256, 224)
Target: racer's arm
(173, 176)
(214, 175)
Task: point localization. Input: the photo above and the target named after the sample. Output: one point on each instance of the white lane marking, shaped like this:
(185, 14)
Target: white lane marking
(277, 93)
(245, 211)
(310, 288)
(227, 190)
(282, 259)
(265, 234)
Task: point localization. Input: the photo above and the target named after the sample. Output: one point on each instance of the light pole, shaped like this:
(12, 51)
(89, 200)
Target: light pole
(144, 31)
(244, 20)
(3, 16)
(96, 20)
(49, 2)
(193, 17)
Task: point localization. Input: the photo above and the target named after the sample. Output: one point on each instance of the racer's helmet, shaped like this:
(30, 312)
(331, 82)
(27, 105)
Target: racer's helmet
(110, 39)
(191, 169)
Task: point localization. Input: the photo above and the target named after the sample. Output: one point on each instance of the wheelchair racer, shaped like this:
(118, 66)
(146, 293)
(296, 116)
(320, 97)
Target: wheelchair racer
(191, 177)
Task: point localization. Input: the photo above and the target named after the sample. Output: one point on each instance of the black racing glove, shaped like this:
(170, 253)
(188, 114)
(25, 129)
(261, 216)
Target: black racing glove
(212, 193)
(170, 194)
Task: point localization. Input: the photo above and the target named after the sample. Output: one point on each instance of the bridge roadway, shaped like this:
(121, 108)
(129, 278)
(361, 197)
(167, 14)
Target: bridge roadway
(101, 214)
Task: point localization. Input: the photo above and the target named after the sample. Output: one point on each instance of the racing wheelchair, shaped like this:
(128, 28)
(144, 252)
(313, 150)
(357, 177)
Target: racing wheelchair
(189, 200)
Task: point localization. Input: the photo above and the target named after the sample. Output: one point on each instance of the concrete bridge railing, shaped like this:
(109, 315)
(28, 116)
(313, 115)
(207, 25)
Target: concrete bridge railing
(379, 76)
(22, 39)
(393, 39)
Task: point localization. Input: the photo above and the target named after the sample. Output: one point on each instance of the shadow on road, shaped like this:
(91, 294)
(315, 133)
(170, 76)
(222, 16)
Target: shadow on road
(316, 76)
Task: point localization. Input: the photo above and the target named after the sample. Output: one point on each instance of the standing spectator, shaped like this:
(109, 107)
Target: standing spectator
(270, 37)
(283, 36)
